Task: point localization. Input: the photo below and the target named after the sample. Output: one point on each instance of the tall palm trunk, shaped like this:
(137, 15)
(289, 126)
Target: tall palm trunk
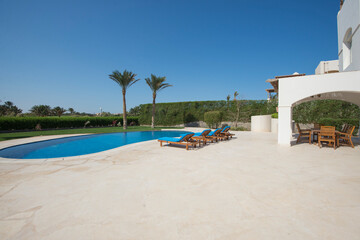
(153, 112)
(237, 112)
(237, 117)
(124, 110)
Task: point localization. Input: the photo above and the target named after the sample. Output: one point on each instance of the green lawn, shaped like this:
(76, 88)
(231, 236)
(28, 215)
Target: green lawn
(15, 135)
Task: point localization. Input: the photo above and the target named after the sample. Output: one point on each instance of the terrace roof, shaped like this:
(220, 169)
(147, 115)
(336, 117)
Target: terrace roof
(275, 81)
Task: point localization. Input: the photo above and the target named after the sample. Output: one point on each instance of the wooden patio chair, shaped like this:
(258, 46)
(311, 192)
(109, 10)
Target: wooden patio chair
(306, 133)
(345, 128)
(327, 134)
(346, 136)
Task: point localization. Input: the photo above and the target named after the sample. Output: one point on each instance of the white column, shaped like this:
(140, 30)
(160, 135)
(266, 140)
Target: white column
(284, 127)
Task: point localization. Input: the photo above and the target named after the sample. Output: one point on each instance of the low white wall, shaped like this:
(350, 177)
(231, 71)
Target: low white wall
(274, 125)
(261, 123)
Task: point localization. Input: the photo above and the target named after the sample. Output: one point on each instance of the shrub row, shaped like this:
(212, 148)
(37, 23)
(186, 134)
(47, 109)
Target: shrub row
(168, 114)
(28, 123)
(312, 112)
(338, 123)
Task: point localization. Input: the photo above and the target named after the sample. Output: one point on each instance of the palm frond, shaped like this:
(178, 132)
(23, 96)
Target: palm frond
(235, 95)
(125, 79)
(157, 83)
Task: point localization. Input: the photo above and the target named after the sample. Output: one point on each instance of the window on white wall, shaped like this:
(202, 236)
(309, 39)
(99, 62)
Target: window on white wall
(347, 58)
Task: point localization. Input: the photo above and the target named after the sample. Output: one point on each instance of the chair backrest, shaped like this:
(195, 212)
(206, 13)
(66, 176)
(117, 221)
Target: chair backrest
(345, 128)
(186, 137)
(350, 130)
(327, 130)
(205, 132)
(225, 129)
(217, 131)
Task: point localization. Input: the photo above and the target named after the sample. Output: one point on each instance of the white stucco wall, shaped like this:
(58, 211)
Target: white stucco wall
(292, 90)
(342, 86)
(274, 125)
(261, 123)
(327, 66)
(349, 17)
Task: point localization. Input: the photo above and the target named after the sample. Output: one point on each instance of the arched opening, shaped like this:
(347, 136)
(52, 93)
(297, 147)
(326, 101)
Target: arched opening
(347, 46)
(329, 109)
(346, 96)
(343, 86)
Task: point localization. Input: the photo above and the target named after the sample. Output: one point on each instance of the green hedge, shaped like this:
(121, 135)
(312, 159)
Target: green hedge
(338, 123)
(275, 115)
(23, 123)
(312, 112)
(168, 114)
(213, 118)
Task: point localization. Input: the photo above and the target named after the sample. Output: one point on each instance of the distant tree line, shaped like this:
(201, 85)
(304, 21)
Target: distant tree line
(9, 109)
(53, 122)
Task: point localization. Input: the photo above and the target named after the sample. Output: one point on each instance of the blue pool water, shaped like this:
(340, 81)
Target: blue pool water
(80, 145)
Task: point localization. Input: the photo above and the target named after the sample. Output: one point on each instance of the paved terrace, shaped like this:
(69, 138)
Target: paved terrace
(245, 188)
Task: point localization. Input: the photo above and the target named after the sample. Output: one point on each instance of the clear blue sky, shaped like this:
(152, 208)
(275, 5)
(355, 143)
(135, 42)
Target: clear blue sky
(61, 52)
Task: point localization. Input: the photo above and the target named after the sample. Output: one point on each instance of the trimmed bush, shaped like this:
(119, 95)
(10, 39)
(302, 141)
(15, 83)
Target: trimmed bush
(275, 115)
(338, 123)
(29, 123)
(213, 118)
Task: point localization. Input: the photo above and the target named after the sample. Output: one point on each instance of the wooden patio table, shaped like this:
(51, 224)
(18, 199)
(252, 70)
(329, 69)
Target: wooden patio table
(316, 132)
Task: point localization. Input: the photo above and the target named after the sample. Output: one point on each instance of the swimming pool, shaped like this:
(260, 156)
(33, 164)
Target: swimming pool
(80, 145)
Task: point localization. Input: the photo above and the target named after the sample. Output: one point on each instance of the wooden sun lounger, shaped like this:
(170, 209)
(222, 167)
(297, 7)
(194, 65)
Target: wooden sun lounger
(203, 137)
(186, 141)
(187, 144)
(226, 133)
(216, 136)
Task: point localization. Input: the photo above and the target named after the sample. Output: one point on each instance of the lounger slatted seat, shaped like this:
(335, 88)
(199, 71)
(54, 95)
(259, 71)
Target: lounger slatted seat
(216, 135)
(185, 139)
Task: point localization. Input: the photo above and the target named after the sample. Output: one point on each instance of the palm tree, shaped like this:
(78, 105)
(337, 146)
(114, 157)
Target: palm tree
(235, 95)
(72, 111)
(58, 111)
(156, 84)
(228, 101)
(125, 80)
(237, 108)
(41, 110)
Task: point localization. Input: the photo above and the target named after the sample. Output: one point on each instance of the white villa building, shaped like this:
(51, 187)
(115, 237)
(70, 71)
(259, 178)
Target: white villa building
(339, 79)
